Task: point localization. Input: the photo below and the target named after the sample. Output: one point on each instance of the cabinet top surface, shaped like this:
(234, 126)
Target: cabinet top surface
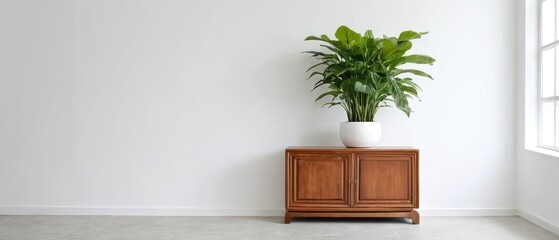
(339, 148)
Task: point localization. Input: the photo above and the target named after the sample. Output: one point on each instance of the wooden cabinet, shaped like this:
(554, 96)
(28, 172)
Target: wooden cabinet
(351, 182)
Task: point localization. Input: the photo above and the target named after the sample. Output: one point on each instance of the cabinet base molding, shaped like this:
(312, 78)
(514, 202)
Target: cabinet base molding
(413, 215)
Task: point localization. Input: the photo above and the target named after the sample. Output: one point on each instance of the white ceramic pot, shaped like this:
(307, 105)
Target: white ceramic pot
(360, 134)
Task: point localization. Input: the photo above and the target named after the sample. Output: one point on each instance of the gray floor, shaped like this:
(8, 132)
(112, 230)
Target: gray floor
(170, 228)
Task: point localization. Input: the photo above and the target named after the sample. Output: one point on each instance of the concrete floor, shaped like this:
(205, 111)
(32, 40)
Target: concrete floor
(233, 228)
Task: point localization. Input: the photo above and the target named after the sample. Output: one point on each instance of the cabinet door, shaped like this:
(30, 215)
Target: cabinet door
(317, 181)
(386, 180)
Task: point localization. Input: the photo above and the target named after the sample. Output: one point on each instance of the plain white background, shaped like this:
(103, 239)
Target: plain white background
(185, 107)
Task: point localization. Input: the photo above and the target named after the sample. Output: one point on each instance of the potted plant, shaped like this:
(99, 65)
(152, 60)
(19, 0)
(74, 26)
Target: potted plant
(362, 74)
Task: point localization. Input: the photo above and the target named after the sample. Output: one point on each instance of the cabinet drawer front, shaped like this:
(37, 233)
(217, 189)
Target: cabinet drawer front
(317, 180)
(386, 180)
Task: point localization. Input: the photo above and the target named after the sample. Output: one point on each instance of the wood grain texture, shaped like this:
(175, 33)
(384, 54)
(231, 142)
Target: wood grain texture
(384, 180)
(352, 181)
(318, 180)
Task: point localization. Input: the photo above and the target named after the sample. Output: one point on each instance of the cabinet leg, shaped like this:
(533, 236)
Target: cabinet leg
(414, 215)
(288, 217)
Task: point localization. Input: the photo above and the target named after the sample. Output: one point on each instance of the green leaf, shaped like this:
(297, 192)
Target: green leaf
(410, 90)
(334, 94)
(388, 45)
(364, 88)
(318, 64)
(417, 58)
(405, 108)
(331, 104)
(408, 35)
(369, 34)
(346, 35)
(335, 88)
(397, 72)
(310, 38)
(336, 69)
(404, 46)
(398, 51)
(342, 52)
(408, 82)
(323, 39)
(315, 73)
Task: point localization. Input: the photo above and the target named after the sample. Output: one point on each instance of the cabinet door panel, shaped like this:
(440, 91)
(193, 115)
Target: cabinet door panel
(319, 180)
(385, 180)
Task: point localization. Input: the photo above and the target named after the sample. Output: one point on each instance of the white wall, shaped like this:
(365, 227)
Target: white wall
(185, 107)
(537, 189)
(537, 176)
